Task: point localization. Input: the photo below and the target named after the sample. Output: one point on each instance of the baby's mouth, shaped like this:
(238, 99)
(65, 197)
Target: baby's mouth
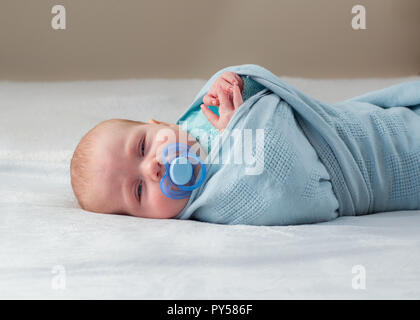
(162, 170)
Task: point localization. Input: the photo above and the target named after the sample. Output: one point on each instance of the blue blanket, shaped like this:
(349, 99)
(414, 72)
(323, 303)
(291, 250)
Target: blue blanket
(310, 161)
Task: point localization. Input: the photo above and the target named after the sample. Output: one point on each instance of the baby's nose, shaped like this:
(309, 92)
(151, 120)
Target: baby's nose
(156, 170)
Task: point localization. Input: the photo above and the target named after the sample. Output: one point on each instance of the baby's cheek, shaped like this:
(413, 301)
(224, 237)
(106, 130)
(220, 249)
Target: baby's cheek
(162, 202)
(166, 207)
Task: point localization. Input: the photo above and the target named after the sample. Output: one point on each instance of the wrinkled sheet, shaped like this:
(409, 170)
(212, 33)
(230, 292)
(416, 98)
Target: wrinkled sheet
(49, 248)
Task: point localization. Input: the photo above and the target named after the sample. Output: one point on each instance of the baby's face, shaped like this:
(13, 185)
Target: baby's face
(129, 168)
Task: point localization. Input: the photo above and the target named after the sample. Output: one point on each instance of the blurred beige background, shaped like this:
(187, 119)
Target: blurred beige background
(108, 39)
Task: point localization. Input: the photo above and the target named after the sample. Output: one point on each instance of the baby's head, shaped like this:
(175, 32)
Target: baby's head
(117, 168)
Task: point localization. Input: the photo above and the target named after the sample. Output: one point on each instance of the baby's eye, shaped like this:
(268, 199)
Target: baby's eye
(139, 190)
(142, 148)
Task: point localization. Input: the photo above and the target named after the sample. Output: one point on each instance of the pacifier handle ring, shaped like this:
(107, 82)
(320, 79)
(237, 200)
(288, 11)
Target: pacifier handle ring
(178, 195)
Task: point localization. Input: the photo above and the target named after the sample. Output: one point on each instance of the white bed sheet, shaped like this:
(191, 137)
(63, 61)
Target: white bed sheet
(117, 257)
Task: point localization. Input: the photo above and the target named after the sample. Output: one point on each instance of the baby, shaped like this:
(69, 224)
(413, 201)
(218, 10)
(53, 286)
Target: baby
(310, 161)
(117, 166)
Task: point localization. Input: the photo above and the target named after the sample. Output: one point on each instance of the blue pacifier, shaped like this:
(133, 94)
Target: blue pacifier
(179, 180)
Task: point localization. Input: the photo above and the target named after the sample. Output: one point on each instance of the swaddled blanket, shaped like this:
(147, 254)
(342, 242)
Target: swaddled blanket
(309, 161)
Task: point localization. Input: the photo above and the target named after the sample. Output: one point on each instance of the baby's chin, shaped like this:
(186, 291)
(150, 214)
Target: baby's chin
(157, 205)
(170, 209)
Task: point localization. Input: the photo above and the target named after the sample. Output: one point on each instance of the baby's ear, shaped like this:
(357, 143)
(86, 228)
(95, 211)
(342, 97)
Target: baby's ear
(173, 125)
(153, 121)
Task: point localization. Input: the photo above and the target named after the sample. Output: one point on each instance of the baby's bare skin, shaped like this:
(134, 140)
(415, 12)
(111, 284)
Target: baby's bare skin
(226, 93)
(128, 170)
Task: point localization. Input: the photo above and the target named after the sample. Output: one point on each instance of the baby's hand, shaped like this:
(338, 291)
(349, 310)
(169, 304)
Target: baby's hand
(226, 81)
(226, 107)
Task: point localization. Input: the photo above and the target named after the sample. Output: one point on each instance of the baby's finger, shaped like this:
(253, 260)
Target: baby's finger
(233, 78)
(227, 87)
(230, 77)
(240, 82)
(237, 97)
(211, 116)
(225, 103)
(210, 100)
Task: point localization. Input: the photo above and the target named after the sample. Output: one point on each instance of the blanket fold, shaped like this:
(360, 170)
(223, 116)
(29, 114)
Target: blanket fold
(317, 160)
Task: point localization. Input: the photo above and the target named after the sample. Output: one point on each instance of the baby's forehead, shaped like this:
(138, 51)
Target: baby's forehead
(105, 193)
(104, 175)
(113, 140)
(112, 126)
(112, 133)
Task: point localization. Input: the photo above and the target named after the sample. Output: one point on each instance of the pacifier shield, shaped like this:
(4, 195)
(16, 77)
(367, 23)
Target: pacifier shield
(179, 179)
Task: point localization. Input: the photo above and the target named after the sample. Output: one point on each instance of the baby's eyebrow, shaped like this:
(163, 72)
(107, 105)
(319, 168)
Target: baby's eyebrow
(132, 144)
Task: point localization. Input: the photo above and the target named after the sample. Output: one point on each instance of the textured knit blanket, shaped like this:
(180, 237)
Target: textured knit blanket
(309, 161)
